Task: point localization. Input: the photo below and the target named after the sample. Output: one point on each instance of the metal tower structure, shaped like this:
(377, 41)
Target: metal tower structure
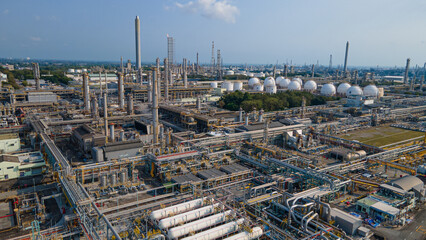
(170, 50)
(213, 60)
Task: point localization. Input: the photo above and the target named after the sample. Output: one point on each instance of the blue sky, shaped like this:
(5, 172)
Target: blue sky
(380, 32)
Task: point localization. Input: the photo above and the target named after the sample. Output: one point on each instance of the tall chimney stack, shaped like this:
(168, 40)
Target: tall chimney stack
(155, 107)
(86, 93)
(407, 67)
(138, 42)
(105, 113)
(120, 91)
(166, 79)
(345, 68)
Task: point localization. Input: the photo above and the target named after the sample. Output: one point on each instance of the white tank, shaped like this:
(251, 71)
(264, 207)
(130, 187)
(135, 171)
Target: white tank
(295, 86)
(229, 86)
(84, 70)
(71, 70)
(310, 85)
(183, 207)
(328, 89)
(371, 91)
(238, 85)
(299, 80)
(278, 80)
(255, 233)
(354, 91)
(285, 82)
(229, 72)
(259, 75)
(271, 89)
(217, 232)
(78, 71)
(258, 87)
(250, 74)
(253, 81)
(213, 84)
(195, 226)
(269, 82)
(188, 216)
(343, 88)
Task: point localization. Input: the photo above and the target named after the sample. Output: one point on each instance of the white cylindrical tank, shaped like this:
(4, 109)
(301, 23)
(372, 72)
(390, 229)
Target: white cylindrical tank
(195, 226)
(258, 87)
(217, 232)
(229, 86)
(269, 82)
(250, 74)
(310, 85)
(78, 71)
(343, 88)
(299, 80)
(71, 70)
(84, 69)
(183, 207)
(253, 81)
(271, 89)
(188, 216)
(295, 86)
(354, 91)
(328, 89)
(238, 85)
(229, 72)
(371, 91)
(213, 84)
(285, 82)
(255, 233)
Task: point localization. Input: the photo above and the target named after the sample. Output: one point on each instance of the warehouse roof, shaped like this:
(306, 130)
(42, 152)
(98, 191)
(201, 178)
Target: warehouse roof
(386, 208)
(210, 173)
(233, 168)
(407, 182)
(187, 178)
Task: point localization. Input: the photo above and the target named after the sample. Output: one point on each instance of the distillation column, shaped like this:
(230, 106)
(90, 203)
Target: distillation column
(155, 107)
(120, 90)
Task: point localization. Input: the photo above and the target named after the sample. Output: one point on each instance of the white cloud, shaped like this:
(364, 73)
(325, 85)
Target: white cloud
(37, 18)
(6, 11)
(35, 39)
(217, 9)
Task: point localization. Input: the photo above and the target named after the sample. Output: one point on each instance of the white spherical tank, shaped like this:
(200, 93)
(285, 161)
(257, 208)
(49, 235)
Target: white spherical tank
(253, 81)
(271, 89)
(299, 80)
(278, 80)
(238, 85)
(343, 88)
(354, 91)
(260, 75)
(328, 89)
(285, 82)
(250, 74)
(371, 91)
(258, 87)
(229, 72)
(228, 86)
(295, 86)
(269, 82)
(213, 84)
(310, 86)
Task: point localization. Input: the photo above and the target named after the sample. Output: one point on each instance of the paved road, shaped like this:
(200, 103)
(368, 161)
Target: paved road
(416, 230)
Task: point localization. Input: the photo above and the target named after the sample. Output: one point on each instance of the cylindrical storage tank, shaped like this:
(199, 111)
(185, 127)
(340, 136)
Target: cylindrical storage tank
(371, 91)
(84, 70)
(255, 233)
(238, 86)
(310, 86)
(172, 210)
(123, 178)
(284, 83)
(258, 87)
(343, 88)
(113, 179)
(271, 89)
(228, 86)
(299, 80)
(328, 89)
(188, 216)
(269, 82)
(354, 91)
(295, 86)
(217, 232)
(195, 226)
(104, 182)
(381, 92)
(253, 81)
(213, 84)
(71, 70)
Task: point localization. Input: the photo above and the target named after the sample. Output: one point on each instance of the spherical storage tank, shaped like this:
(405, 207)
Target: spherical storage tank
(278, 80)
(343, 88)
(354, 91)
(258, 87)
(271, 89)
(310, 85)
(213, 84)
(228, 86)
(328, 89)
(295, 86)
(269, 82)
(229, 72)
(299, 80)
(284, 83)
(371, 91)
(238, 86)
(253, 81)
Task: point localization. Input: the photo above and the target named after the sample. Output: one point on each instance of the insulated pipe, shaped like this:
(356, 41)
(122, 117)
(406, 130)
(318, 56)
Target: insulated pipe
(183, 207)
(188, 216)
(309, 219)
(305, 216)
(217, 232)
(255, 233)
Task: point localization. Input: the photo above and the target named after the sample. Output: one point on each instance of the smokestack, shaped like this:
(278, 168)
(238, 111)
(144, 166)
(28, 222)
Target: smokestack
(122, 66)
(100, 82)
(155, 107)
(345, 68)
(138, 42)
(313, 70)
(94, 107)
(105, 113)
(149, 87)
(130, 104)
(166, 79)
(285, 70)
(198, 66)
(36, 72)
(120, 91)
(407, 67)
(185, 77)
(86, 93)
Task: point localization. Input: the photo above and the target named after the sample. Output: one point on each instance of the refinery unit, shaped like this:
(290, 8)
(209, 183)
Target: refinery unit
(147, 152)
